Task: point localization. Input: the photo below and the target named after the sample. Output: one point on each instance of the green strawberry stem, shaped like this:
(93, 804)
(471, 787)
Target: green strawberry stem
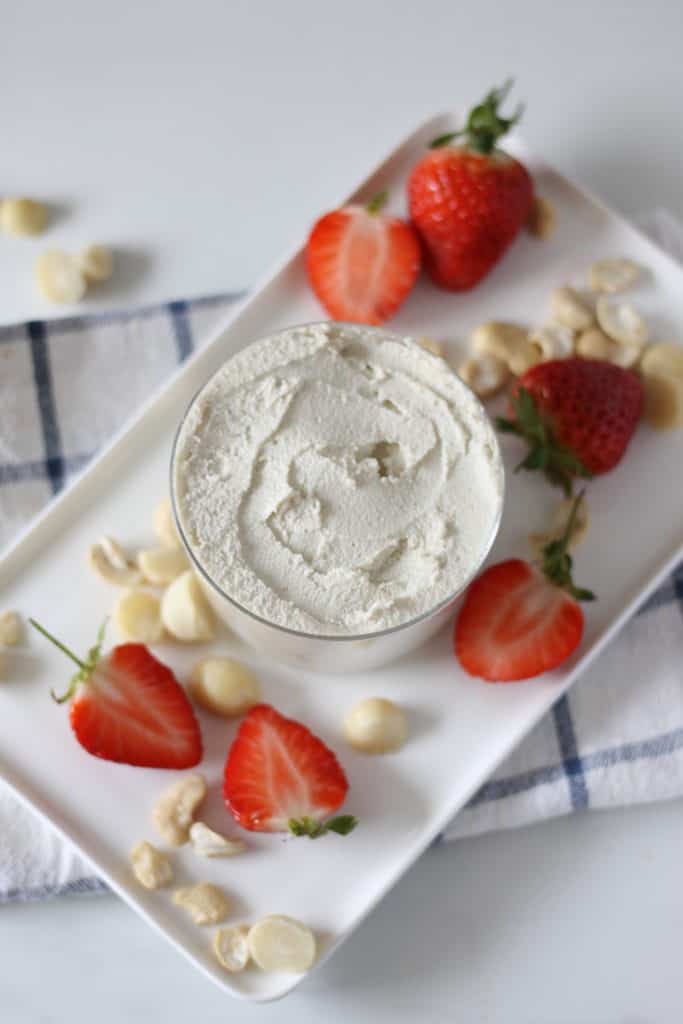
(342, 825)
(557, 562)
(484, 124)
(558, 462)
(378, 202)
(85, 668)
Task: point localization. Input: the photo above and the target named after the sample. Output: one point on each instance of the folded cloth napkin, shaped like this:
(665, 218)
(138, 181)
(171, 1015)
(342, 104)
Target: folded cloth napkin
(66, 387)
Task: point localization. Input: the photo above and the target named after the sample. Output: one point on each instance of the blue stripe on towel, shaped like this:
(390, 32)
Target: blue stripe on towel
(181, 328)
(54, 460)
(566, 738)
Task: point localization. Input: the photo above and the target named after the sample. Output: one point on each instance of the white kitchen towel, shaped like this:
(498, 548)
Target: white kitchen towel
(67, 385)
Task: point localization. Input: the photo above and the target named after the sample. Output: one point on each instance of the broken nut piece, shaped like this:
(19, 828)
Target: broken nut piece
(151, 867)
(509, 342)
(185, 612)
(204, 902)
(663, 405)
(232, 948)
(58, 277)
(137, 617)
(164, 524)
(622, 322)
(160, 566)
(594, 344)
(431, 345)
(613, 275)
(224, 686)
(376, 726)
(176, 807)
(10, 629)
(279, 943)
(541, 220)
(207, 843)
(663, 359)
(570, 309)
(108, 559)
(554, 341)
(22, 217)
(96, 263)
(486, 374)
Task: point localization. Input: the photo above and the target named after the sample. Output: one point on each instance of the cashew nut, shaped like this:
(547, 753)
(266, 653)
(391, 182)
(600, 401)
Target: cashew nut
(58, 277)
(558, 524)
(622, 322)
(594, 344)
(164, 524)
(22, 216)
(150, 866)
(663, 408)
(279, 943)
(10, 629)
(137, 617)
(108, 559)
(232, 948)
(663, 360)
(431, 345)
(541, 220)
(96, 263)
(554, 341)
(185, 611)
(509, 342)
(160, 566)
(376, 726)
(485, 374)
(613, 275)
(207, 843)
(175, 809)
(570, 309)
(205, 903)
(224, 687)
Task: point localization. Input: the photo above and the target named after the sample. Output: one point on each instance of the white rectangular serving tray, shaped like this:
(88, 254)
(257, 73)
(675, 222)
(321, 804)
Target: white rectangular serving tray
(461, 727)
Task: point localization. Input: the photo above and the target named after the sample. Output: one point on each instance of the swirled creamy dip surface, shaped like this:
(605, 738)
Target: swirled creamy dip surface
(337, 480)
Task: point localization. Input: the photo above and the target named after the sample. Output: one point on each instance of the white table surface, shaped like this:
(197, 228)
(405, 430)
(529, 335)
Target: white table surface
(201, 139)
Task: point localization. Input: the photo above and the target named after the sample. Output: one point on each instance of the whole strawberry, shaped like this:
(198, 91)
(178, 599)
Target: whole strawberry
(468, 201)
(577, 415)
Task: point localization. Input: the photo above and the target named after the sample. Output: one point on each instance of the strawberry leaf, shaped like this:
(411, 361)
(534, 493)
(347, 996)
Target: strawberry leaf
(342, 825)
(557, 562)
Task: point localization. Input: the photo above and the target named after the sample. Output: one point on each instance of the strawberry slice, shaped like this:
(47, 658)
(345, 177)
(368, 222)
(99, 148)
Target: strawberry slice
(279, 777)
(129, 707)
(517, 620)
(361, 263)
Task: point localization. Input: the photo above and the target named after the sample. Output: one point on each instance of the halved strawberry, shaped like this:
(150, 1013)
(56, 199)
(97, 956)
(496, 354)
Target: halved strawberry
(517, 620)
(279, 777)
(128, 707)
(361, 263)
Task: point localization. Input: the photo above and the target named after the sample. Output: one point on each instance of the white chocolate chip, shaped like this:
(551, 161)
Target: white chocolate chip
(164, 524)
(207, 843)
(663, 407)
(176, 807)
(224, 687)
(205, 903)
(541, 220)
(509, 342)
(109, 560)
(150, 866)
(137, 617)
(232, 948)
(613, 275)
(160, 566)
(376, 726)
(570, 309)
(279, 943)
(553, 341)
(431, 345)
(96, 263)
(663, 359)
(10, 629)
(185, 611)
(558, 525)
(622, 322)
(22, 217)
(486, 374)
(58, 277)
(594, 344)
